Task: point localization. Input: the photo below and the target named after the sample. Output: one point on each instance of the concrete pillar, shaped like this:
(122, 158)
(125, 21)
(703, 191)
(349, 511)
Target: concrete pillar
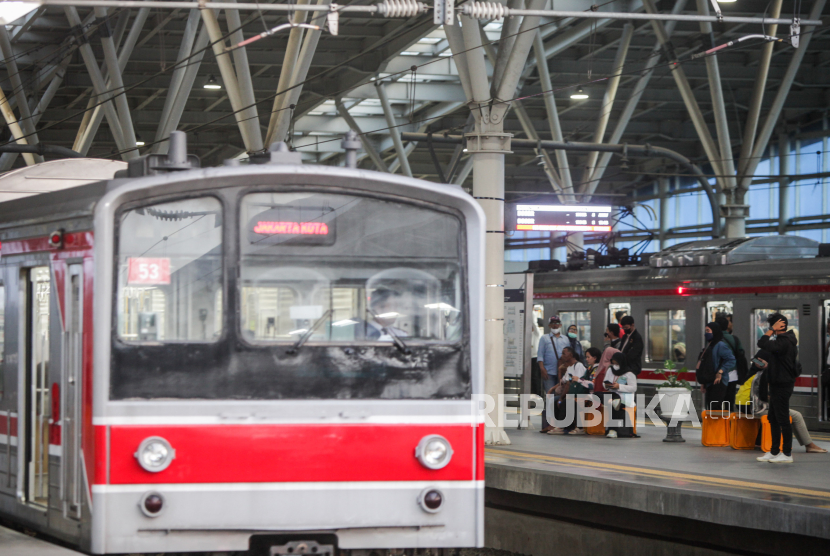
(487, 146)
(663, 209)
(783, 183)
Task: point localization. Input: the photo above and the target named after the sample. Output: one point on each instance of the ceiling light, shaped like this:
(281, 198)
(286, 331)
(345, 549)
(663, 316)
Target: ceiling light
(212, 83)
(579, 94)
(726, 1)
(139, 142)
(12, 11)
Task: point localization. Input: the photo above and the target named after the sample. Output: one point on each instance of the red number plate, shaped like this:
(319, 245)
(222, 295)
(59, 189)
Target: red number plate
(147, 271)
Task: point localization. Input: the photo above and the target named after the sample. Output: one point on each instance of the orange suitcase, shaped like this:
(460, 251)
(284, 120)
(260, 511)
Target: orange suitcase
(743, 431)
(598, 429)
(715, 428)
(766, 435)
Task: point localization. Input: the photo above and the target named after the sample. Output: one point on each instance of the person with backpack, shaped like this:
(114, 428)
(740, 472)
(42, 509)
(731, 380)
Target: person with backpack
(738, 375)
(548, 354)
(713, 366)
(783, 369)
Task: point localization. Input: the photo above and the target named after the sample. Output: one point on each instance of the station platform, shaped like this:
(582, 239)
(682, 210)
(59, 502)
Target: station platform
(14, 543)
(717, 498)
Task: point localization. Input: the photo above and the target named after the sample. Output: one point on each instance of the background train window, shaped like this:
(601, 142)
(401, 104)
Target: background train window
(358, 269)
(759, 321)
(170, 272)
(616, 311)
(582, 320)
(666, 335)
(716, 309)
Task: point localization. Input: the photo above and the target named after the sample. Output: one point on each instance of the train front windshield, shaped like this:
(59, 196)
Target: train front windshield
(334, 295)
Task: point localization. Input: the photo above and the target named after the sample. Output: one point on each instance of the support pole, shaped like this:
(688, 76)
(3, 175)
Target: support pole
(609, 97)
(783, 183)
(663, 191)
(289, 61)
(394, 131)
(370, 149)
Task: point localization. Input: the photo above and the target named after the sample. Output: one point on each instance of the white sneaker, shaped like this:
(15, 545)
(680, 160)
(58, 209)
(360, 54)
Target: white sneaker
(781, 458)
(613, 434)
(766, 457)
(616, 404)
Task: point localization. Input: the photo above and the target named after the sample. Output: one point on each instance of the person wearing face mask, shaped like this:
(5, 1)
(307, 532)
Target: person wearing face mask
(632, 345)
(621, 383)
(713, 366)
(548, 354)
(573, 336)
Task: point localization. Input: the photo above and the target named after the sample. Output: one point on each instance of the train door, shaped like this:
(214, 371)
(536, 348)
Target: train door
(715, 309)
(38, 406)
(71, 394)
(824, 380)
(617, 311)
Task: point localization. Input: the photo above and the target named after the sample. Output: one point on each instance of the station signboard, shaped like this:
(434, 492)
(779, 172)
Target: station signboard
(563, 218)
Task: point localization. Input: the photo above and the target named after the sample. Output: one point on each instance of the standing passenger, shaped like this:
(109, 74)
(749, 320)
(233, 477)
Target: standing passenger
(573, 336)
(612, 335)
(713, 366)
(536, 332)
(783, 369)
(550, 350)
(739, 374)
(632, 346)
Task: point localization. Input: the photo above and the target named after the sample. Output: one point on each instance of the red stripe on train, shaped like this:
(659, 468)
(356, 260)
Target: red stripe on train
(687, 291)
(75, 241)
(289, 453)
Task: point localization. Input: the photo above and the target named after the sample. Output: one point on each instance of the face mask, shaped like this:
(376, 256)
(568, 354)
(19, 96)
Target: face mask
(615, 367)
(709, 336)
(571, 335)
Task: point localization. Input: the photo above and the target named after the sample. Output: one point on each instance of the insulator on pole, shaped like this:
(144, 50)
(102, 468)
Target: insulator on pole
(485, 10)
(401, 8)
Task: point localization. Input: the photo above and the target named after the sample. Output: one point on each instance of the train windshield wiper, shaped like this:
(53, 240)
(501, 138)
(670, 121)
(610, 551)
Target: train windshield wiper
(307, 334)
(402, 347)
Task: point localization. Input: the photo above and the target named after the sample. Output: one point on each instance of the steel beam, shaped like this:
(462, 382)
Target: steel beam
(547, 163)
(456, 41)
(754, 114)
(298, 76)
(566, 180)
(25, 119)
(508, 38)
(780, 96)
(292, 52)
(477, 69)
(367, 143)
(609, 97)
(14, 127)
(116, 83)
(784, 184)
(243, 75)
(394, 131)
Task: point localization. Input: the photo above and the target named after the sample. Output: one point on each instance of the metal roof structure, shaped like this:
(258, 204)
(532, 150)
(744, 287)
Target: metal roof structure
(44, 56)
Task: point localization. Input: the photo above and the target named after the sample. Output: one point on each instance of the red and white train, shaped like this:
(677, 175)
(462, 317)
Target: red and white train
(260, 357)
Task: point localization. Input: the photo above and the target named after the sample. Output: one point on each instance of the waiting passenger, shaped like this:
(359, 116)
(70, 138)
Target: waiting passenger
(613, 335)
(632, 345)
(602, 368)
(738, 374)
(621, 384)
(618, 316)
(573, 336)
(713, 366)
(783, 346)
(550, 349)
(580, 386)
(570, 369)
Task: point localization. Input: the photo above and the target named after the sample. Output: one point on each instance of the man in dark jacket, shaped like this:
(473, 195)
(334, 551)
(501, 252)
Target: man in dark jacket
(632, 345)
(783, 347)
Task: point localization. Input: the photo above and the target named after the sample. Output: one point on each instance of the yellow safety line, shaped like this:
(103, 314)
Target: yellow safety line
(664, 474)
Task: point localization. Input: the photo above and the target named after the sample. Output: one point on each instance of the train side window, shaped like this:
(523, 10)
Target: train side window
(616, 311)
(759, 321)
(666, 333)
(2, 339)
(582, 320)
(169, 272)
(715, 309)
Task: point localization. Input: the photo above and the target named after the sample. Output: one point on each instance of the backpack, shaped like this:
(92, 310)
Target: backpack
(741, 364)
(706, 369)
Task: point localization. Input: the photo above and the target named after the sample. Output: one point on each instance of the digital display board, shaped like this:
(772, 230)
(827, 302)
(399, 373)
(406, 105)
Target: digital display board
(293, 225)
(563, 218)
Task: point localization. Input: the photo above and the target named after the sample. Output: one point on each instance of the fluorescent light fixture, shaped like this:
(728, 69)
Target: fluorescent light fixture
(726, 1)
(212, 83)
(299, 331)
(442, 306)
(139, 143)
(579, 94)
(346, 322)
(12, 11)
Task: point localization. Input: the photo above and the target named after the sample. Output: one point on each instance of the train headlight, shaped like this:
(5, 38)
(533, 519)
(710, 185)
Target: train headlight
(155, 454)
(431, 500)
(434, 451)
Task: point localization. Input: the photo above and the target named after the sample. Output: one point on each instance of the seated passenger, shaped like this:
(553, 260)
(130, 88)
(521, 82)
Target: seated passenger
(569, 369)
(602, 368)
(621, 384)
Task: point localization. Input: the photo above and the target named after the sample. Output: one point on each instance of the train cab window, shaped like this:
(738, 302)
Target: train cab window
(759, 321)
(715, 309)
(582, 320)
(340, 268)
(170, 272)
(666, 335)
(617, 311)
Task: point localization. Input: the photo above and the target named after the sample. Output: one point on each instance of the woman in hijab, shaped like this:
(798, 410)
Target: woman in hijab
(604, 364)
(621, 384)
(713, 366)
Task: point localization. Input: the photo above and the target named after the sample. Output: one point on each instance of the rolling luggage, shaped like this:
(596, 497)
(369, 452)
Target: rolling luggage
(715, 428)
